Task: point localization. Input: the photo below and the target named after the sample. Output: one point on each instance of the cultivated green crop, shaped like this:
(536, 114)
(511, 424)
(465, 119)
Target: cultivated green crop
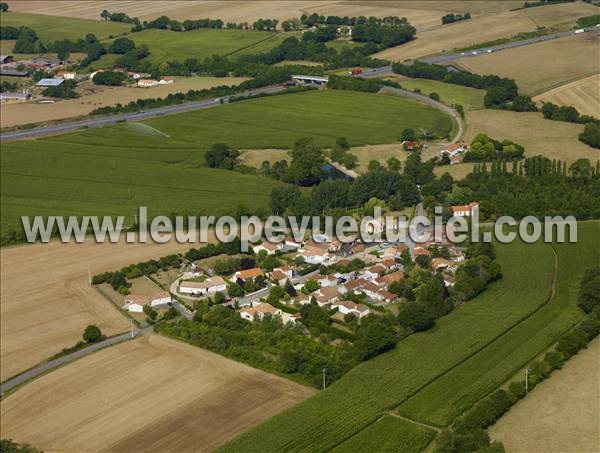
(389, 434)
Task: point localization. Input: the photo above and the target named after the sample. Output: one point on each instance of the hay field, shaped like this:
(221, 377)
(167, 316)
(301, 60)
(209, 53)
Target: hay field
(582, 94)
(46, 300)
(149, 394)
(553, 139)
(542, 66)
(461, 34)
(95, 96)
(561, 15)
(561, 415)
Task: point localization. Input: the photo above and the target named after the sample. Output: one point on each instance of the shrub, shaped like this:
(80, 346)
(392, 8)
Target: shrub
(92, 334)
(517, 388)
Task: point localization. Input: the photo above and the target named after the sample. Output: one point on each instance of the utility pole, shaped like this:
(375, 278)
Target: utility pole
(131, 323)
(526, 380)
(324, 369)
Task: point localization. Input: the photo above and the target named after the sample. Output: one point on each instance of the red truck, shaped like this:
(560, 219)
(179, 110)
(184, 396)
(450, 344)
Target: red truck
(356, 71)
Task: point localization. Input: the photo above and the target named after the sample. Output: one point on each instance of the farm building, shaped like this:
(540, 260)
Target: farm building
(454, 150)
(11, 72)
(15, 96)
(135, 303)
(6, 59)
(67, 75)
(49, 82)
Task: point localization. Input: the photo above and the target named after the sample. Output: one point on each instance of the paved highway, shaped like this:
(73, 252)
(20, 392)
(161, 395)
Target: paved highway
(134, 116)
(446, 58)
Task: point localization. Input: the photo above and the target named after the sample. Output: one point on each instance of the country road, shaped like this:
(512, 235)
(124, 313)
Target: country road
(52, 364)
(134, 116)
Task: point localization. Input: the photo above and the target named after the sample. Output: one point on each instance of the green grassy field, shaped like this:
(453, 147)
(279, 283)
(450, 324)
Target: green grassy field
(112, 170)
(469, 98)
(339, 44)
(168, 45)
(52, 28)
(389, 434)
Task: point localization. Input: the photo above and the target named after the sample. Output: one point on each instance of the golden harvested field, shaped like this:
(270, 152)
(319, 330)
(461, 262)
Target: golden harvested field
(149, 394)
(561, 415)
(582, 94)
(95, 96)
(456, 6)
(238, 11)
(542, 66)
(461, 34)
(46, 301)
(553, 139)
(558, 15)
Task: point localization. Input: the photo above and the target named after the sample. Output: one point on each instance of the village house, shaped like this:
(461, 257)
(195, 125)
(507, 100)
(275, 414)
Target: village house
(67, 75)
(468, 210)
(449, 280)
(442, 263)
(281, 275)
(248, 274)
(267, 246)
(454, 150)
(372, 291)
(389, 278)
(420, 251)
(389, 263)
(289, 318)
(457, 159)
(409, 145)
(374, 272)
(15, 96)
(354, 286)
(325, 280)
(385, 296)
(326, 296)
(209, 286)
(315, 255)
(348, 307)
(258, 311)
(135, 303)
(394, 251)
(292, 243)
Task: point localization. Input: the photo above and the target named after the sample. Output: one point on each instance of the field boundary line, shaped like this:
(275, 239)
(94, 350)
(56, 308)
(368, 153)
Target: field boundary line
(563, 83)
(415, 422)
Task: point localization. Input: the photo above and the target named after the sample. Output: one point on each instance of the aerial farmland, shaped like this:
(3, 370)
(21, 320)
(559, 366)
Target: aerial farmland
(149, 151)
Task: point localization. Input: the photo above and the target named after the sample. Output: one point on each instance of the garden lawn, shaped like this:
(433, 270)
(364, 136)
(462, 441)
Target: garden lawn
(54, 28)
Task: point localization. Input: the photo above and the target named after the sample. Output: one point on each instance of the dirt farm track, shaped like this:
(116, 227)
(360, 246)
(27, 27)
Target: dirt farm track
(46, 300)
(148, 394)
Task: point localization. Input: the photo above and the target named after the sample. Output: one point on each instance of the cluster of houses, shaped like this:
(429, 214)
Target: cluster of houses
(455, 152)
